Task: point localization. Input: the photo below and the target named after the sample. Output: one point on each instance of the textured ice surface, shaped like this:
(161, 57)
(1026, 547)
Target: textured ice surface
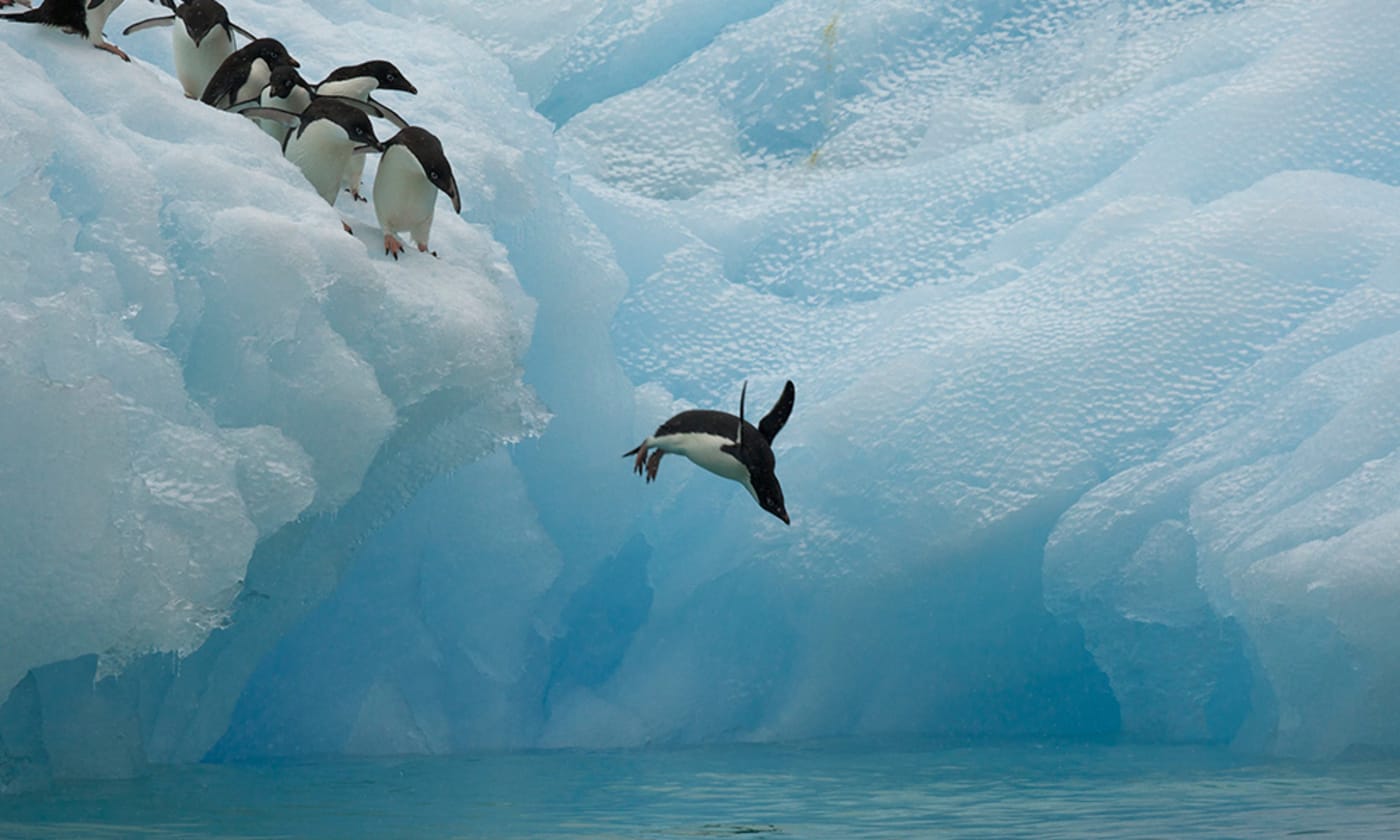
(1091, 305)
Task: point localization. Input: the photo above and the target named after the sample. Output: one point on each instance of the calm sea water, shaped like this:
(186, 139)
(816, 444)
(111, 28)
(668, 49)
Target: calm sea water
(844, 790)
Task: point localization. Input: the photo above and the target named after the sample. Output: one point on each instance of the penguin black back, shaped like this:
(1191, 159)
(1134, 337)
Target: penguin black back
(233, 73)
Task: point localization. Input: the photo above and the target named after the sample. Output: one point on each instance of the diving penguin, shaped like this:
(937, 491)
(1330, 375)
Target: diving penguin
(244, 74)
(201, 42)
(81, 17)
(411, 172)
(726, 446)
(359, 81)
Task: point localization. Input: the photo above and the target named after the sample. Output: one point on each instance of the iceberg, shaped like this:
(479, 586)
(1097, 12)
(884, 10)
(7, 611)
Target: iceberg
(1092, 308)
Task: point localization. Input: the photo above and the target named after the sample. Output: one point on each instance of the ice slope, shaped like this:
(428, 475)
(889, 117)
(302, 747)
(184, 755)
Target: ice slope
(196, 356)
(1090, 305)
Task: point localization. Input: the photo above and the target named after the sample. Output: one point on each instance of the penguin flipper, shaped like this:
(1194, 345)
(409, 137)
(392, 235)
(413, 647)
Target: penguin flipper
(32, 16)
(149, 23)
(389, 115)
(773, 422)
(241, 31)
(286, 118)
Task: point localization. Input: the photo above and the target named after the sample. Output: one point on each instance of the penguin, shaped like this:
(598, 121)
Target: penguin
(244, 74)
(81, 17)
(726, 446)
(359, 81)
(287, 91)
(329, 134)
(201, 43)
(411, 172)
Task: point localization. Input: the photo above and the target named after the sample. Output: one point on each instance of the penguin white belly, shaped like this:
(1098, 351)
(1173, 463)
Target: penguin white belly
(97, 19)
(258, 74)
(404, 198)
(195, 65)
(357, 88)
(322, 151)
(706, 451)
(297, 102)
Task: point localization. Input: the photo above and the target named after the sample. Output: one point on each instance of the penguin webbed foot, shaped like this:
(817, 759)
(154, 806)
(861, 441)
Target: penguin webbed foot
(641, 459)
(347, 227)
(355, 194)
(393, 246)
(114, 50)
(653, 463)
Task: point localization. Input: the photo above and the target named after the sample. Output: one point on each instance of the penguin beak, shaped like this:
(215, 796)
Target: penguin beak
(786, 520)
(456, 199)
(367, 148)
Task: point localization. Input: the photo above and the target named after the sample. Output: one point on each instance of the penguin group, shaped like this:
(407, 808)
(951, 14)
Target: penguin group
(324, 128)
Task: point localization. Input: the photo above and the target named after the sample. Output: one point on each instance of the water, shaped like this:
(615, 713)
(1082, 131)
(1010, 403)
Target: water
(843, 790)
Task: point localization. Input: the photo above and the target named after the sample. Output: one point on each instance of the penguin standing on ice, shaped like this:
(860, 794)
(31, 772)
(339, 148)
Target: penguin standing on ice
(202, 39)
(329, 134)
(359, 81)
(411, 173)
(81, 17)
(726, 446)
(243, 75)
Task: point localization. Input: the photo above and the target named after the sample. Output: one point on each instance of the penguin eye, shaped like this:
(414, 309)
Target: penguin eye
(433, 175)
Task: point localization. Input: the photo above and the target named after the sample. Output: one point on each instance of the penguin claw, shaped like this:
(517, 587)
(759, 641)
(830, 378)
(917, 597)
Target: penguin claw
(114, 50)
(347, 227)
(393, 246)
(653, 463)
(641, 459)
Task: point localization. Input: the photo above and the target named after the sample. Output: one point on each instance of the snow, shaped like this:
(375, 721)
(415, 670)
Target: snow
(1091, 305)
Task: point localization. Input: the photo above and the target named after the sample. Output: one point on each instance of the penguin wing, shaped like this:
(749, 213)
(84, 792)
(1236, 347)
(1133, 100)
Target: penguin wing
(149, 23)
(222, 85)
(374, 109)
(241, 31)
(389, 115)
(287, 118)
(773, 422)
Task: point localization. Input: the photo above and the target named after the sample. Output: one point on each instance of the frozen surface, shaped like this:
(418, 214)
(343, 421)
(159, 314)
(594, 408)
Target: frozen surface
(1093, 309)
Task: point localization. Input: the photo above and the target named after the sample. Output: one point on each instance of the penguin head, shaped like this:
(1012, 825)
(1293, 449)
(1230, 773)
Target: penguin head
(353, 121)
(769, 493)
(284, 80)
(428, 151)
(271, 51)
(200, 17)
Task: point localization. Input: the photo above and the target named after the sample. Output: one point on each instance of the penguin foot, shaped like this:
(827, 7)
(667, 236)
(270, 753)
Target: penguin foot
(392, 245)
(641, 461)
(114, 50)
(347, 227)
(355, 194)
(652, 464)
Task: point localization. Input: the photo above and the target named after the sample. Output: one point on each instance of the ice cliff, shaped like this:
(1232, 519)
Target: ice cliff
(1093, 308)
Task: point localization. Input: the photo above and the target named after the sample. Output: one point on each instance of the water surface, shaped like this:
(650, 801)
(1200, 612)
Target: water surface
(823, 790)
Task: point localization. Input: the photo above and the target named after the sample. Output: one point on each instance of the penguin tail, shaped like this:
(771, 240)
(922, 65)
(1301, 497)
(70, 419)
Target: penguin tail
(632, 452)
